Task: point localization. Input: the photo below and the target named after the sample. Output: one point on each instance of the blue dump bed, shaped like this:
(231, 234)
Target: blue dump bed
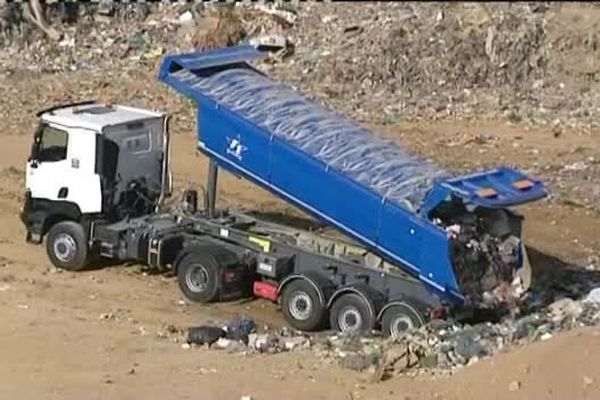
(366, 186)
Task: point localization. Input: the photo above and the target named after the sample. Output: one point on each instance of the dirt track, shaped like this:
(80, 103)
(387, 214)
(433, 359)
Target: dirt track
(54, 344)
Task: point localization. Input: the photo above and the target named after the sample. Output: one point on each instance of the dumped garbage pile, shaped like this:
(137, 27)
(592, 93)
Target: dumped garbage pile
(440, 347)
(109, 35)
(407, 60)
(380, 61)
(444, 346)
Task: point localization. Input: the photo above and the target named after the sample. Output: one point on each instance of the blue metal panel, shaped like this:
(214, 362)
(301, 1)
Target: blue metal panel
(366, 186)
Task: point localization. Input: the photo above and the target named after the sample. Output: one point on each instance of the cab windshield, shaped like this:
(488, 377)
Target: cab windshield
(49, 144)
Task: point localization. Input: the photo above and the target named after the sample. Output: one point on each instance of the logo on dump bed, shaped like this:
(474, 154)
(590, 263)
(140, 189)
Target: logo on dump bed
(235, 147)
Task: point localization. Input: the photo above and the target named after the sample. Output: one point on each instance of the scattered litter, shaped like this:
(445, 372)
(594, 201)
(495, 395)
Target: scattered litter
(593, 297)
(204, 334)
(288, 16)
(186, 18)
(243, 324)
(514, 386)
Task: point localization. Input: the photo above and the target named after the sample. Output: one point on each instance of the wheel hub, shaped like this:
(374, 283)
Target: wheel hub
(300, 306)
(196, 278)
(64, 247)
(349, 320)
(399, 325)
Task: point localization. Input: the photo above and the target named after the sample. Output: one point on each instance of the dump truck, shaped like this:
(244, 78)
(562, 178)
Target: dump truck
(416, 242)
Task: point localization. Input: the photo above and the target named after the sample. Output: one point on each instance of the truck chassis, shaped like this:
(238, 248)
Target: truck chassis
(224, 255)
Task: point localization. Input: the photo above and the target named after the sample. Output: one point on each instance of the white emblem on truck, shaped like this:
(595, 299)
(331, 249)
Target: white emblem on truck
(235, 147)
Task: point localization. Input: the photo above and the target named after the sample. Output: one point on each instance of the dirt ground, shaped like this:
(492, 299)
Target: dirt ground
(54, 344)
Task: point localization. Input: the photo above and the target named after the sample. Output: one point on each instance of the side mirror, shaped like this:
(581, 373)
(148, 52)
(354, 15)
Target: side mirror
(33, 155)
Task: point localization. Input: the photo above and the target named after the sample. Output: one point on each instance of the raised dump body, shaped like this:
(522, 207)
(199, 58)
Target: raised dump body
(367, 187)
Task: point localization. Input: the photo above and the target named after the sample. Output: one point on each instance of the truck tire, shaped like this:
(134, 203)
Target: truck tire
(302, 306)
(198, 277)
(351, 314)
(399, 318)
(67, 246)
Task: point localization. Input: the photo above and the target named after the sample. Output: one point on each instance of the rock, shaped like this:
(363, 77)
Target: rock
(587, 381)
(185, 346)
(514, 386)
(246, 398)
(546, 336)
(204, 334)
(295, 342)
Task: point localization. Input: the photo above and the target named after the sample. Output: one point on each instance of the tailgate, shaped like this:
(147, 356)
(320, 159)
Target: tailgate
(497, 188)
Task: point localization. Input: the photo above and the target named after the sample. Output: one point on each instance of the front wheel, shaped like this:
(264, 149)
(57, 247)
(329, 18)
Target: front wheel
(198, 277)
(67, 246)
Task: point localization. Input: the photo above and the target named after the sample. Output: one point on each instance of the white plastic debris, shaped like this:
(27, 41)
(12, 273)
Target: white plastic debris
(593, 297)
(186, 18)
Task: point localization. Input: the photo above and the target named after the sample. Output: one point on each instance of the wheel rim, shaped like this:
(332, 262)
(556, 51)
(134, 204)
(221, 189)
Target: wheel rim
(349, 320)
(300, 306)
(64, 247)
(399, 325)
(196, 278)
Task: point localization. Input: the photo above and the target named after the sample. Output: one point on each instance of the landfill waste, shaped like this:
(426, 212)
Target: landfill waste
(204, 334)
(440, 347)
(243, 324)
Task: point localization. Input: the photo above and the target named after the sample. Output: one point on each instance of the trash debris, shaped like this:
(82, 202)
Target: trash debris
(593, 297)
(358, 361)
(237, 336)
(514, 386)
(287, 16)
(243, 324)
(295, 342)
(204, 334)
(186, 18)
(563, 308)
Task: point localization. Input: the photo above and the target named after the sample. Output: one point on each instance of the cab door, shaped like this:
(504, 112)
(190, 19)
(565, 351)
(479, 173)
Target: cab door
(48, 165)
(62, 167)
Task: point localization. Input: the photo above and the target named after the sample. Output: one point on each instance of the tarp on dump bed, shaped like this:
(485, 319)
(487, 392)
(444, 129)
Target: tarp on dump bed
(346, 146)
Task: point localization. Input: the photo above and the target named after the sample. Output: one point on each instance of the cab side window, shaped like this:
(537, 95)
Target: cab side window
(53, 144)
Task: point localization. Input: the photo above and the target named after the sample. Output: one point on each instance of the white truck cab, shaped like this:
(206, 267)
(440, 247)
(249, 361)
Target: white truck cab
(92, 161)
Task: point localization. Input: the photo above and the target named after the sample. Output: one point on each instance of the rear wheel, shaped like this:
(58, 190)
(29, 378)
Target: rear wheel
(67, 246)
(351, 314)
(302, 307)
(197, 275)
(399, 318)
